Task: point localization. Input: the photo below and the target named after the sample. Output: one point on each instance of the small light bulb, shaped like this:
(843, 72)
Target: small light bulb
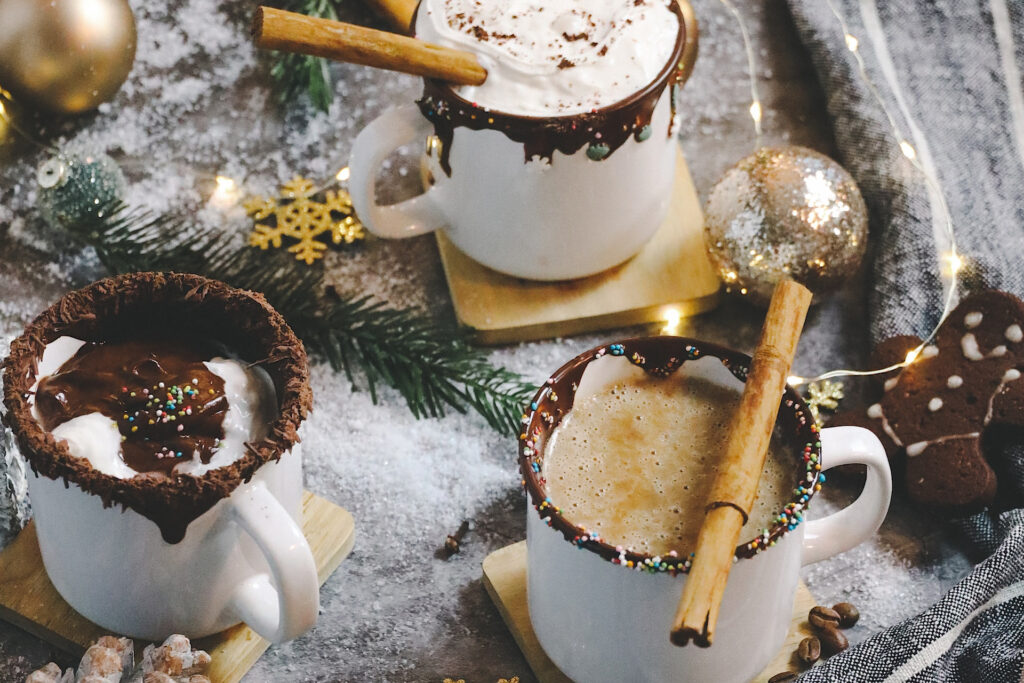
(908, 150)
(956, 263)
(225, 194)
(852, 43)
(755, 111)
(912, 355)
(672, 320)
(794, 380)
(343, 175)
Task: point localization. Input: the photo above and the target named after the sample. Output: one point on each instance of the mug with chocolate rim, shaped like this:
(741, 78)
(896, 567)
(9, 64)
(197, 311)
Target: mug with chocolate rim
(549, 197)
(148, 555)
(603, 612)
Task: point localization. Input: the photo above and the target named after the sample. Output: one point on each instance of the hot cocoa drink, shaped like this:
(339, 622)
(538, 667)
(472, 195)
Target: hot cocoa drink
(594, 70)
(155, 406)
(555, 58)
(633, 463)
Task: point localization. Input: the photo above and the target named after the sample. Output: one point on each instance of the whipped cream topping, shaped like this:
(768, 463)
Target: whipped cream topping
(251, 408)
(554, 57)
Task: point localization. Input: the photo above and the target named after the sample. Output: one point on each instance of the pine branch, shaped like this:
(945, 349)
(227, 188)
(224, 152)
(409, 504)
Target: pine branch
(432, 366)
(297, 74)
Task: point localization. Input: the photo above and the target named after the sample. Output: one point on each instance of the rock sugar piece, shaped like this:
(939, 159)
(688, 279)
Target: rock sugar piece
(937, 410)
(174, 660)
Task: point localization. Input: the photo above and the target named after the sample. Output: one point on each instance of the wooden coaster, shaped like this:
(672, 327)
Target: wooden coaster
(505, 580)
(29, 600)
(670, 276)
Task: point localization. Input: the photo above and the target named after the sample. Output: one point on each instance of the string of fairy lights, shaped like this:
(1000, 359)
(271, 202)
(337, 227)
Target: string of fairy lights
(951, 262)
(227, 192)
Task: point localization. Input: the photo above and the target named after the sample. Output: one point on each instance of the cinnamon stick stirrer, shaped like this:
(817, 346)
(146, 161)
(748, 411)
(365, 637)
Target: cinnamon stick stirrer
(276, 29)
(398, 13)
(735, 487)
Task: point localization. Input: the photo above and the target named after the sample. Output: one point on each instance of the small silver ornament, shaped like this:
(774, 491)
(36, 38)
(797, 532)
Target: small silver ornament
(77, 187)
(785, 212)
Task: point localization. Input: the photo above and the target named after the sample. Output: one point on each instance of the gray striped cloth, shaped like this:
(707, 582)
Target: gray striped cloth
(950, 73)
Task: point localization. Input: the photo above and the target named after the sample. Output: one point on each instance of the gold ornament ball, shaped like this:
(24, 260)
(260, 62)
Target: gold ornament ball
(785, 212)
(65, 55)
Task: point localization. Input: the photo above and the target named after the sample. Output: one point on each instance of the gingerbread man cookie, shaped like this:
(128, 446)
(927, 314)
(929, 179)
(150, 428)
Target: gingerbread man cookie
(937, 409)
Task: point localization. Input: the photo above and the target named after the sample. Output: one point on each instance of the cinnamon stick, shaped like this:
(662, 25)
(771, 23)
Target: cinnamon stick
(735, 487)
(398, 13)
(276, 29)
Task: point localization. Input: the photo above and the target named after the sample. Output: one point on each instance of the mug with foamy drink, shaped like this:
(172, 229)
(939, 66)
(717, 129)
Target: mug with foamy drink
(618, 455)
(561, 164)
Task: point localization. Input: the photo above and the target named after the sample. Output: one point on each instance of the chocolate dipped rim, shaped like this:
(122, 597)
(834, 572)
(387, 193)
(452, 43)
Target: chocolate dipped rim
(659, 356)
(603, 129)
(140, 304)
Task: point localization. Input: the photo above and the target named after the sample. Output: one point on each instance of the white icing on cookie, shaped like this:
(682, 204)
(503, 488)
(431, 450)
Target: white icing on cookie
(972, 320)
(969, 345)
(1011, 375)
(1014, 334)
(955, 382)
(919, 447)
(891, 383)
(935, 404)
(875, 413)
(930, 351)
(997, 352)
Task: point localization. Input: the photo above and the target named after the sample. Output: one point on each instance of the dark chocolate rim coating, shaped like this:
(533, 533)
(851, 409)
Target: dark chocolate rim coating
(602, 130)
(145, 302)
(671, 67)
(659, 356)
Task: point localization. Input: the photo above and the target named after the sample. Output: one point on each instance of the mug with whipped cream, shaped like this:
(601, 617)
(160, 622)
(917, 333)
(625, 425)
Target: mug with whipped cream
(561, 164)
(159, 413)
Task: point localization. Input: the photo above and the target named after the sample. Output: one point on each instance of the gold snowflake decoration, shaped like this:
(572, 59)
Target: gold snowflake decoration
(298, 216)
(826, 395)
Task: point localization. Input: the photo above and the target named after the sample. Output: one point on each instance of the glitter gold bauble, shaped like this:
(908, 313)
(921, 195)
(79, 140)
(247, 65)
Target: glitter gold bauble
(65, 55)
(785, 212)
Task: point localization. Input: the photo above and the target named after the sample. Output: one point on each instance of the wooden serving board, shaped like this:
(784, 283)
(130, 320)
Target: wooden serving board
(29, 600)
(670, 276)
(505, 580)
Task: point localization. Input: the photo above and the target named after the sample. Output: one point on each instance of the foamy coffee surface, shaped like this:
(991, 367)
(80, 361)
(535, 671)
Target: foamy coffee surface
(634, 462)
(554, 57)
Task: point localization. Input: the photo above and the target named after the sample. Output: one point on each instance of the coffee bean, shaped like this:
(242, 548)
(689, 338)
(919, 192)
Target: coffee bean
(848, 614)
(833, 640)
(783, 677)
(809, 650)
(823, 617)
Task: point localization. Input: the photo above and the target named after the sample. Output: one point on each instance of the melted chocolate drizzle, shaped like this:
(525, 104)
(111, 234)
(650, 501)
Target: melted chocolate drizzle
(603, 130)
(168, 406)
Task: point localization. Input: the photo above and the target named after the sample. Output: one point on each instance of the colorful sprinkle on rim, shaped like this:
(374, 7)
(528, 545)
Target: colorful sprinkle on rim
(659, 356)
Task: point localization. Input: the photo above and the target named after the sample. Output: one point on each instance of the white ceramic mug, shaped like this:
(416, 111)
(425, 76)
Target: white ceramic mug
(569, 218)
(238, 552)
(245, 559)
(599, 619)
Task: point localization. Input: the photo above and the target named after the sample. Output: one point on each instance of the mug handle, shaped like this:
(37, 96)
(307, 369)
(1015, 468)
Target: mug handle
(855, 523)
(389, 131)
(286, 606)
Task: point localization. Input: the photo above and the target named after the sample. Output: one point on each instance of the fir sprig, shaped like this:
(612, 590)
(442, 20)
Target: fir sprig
(431, 365)
(296, 74)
